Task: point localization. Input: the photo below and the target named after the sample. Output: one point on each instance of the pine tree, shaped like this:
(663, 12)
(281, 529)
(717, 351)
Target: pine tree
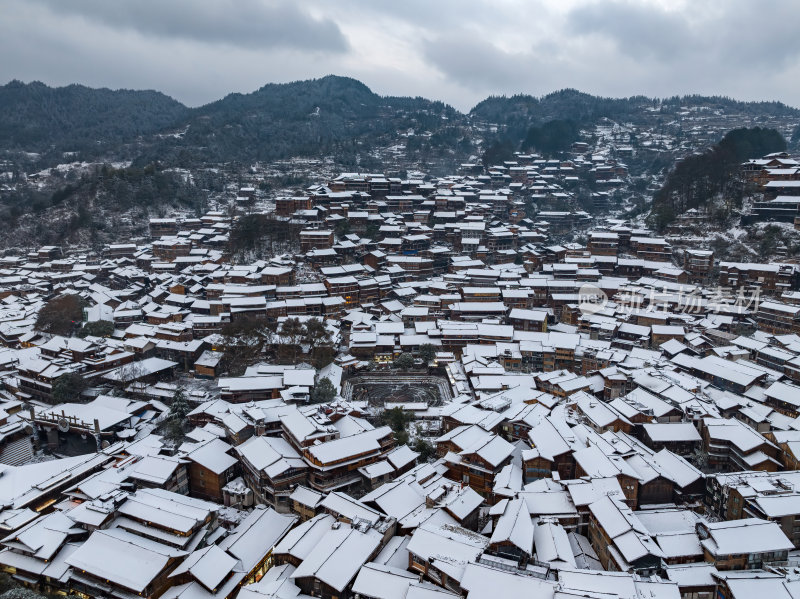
(404, 361)
(323, 391)
(427, 352)
(176, 418)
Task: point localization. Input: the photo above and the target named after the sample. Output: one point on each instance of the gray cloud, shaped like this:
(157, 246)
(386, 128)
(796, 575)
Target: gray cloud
(729, 34)
(460, 52)
(242, 23)
(639, 31)
(743, 35)
(474, 63)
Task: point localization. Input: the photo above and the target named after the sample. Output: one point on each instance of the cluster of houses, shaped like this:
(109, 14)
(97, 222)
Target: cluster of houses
(777, 177)
(615, 418)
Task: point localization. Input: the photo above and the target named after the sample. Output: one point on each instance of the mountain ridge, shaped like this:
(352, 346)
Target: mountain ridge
(32, 107)
(331, 116)
(163, 152)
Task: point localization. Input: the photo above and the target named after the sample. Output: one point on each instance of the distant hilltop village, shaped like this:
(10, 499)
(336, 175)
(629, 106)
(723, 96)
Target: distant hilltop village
(499, 382)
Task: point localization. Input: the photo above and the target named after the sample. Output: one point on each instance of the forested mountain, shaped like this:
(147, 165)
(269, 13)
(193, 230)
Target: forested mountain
(517, 113)
(174, 151)
(36, 118)
(304, 118)
(308, 118)
(520, 111)
(328, 116)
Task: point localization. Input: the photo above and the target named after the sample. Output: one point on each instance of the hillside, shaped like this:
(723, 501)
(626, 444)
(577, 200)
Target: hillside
(518, 112)
(337, 121)
(38, 118)
(304, 118)
(100, 206)
(321, 117)
(709, 181)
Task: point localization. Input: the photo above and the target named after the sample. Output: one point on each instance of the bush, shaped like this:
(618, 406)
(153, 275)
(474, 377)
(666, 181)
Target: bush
(21, 593)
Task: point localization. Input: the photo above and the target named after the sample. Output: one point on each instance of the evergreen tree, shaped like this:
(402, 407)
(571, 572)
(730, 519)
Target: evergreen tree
(398, 420)
(427, 352)
(68, 388)
(60, 315)
(404, 361)
(176, 422)
(323, 391)
(552, 137)
(498, 152)
(425, 450)
(292, 333)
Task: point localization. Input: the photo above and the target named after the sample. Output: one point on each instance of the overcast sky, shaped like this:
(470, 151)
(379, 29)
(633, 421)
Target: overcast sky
(459, 51)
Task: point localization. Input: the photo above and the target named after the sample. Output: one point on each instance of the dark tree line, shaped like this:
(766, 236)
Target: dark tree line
(498, 152)
(518, 112)
(549, 139)
(552, 137)
(328, 116)
(76, 118)
(248, 340)
(321, 117)
(255, 235)
(107, 189)
(698, 179)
